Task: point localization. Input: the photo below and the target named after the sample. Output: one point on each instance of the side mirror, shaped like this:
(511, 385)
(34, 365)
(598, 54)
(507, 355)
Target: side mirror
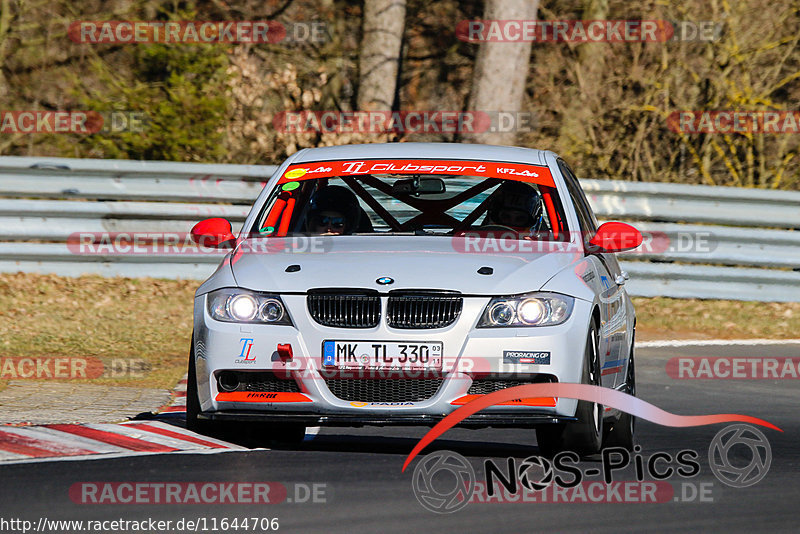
(615, 237)
(213, 233)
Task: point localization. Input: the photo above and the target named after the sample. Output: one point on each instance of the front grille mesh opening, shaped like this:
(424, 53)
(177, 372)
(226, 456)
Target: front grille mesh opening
(344, 310)
(423, 311)
(384, 390)
(267, 381)
(485, 384)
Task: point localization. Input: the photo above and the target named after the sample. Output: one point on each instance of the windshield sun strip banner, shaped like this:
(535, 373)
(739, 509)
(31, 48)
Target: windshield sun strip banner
(521, 172)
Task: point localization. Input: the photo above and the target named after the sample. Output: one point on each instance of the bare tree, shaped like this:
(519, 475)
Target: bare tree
(589, 68)
(5, 26)
(501, 69)
(384, 22)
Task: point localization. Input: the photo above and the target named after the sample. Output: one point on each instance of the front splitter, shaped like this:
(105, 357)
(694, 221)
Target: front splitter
(310, 419)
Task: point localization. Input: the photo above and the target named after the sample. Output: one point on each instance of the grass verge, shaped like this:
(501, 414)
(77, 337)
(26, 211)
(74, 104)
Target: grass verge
(110, 319)
(664, 318)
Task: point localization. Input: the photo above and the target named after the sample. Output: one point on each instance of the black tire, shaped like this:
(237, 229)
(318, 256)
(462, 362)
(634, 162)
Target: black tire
(622, 431)
(584, 436)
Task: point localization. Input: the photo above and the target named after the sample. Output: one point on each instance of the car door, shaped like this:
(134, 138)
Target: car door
(612, 297)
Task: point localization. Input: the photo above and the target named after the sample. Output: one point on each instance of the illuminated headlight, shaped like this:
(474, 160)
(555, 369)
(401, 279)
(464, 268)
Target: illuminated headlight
(534, 309)
(242, 306)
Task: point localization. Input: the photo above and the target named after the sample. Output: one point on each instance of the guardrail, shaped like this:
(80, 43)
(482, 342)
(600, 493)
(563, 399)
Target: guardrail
(701, 241)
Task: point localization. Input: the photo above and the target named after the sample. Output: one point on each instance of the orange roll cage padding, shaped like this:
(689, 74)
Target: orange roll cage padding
(286, 217)
(276, 210)
(555, 223)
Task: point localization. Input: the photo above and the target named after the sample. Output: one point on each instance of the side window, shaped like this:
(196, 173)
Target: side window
(585, 216)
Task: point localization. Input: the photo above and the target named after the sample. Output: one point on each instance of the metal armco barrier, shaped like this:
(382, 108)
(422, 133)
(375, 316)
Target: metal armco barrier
(700, 241)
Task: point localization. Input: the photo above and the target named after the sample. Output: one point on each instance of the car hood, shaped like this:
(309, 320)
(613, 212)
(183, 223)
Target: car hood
(412, 262)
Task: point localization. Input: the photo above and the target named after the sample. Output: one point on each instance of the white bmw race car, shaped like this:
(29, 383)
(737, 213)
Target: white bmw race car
(390, 284)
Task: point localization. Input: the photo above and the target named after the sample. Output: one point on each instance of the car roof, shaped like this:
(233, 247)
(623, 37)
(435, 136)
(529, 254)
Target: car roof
(459, 151)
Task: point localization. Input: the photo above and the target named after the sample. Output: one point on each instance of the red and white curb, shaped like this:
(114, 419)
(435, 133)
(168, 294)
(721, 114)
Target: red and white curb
(178, 405)
(178, 402)
(95, 441)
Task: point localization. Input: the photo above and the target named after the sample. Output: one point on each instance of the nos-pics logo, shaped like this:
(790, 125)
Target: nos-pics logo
(444, 481)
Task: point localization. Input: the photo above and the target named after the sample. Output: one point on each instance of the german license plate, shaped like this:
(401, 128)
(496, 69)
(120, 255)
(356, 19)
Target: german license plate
(382, 355)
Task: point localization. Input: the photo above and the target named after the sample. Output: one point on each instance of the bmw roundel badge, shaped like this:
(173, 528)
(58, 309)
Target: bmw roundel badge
(385, 280)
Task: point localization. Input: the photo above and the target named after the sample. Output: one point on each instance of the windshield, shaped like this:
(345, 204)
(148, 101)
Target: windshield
(417, 198)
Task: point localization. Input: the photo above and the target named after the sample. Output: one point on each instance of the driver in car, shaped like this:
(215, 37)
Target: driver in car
(516, 206)
(333, 210)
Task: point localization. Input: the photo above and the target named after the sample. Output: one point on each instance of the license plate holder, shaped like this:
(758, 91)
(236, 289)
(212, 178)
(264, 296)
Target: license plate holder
(353, 354)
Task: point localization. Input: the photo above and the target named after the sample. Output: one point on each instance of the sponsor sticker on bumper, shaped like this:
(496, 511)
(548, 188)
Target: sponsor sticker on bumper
(523, 356)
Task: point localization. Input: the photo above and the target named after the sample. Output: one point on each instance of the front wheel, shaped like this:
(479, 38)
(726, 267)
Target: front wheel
(584, 436)
(621, 433)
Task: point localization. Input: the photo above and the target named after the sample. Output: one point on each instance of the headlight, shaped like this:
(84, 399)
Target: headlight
(271, 311)
(534, 309)
(242, 306)
(502, 314)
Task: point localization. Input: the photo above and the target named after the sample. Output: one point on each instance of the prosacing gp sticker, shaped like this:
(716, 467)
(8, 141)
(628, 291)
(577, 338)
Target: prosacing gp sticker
(522, 356)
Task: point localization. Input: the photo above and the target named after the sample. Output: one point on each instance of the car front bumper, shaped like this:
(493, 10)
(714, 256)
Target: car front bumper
(469, 353)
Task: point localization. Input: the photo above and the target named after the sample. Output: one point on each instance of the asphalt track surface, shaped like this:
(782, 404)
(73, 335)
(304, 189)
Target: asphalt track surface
(367, 492)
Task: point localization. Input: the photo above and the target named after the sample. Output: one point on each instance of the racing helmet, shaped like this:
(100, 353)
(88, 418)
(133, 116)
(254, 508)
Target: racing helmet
(515, 197)
(336, 198)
